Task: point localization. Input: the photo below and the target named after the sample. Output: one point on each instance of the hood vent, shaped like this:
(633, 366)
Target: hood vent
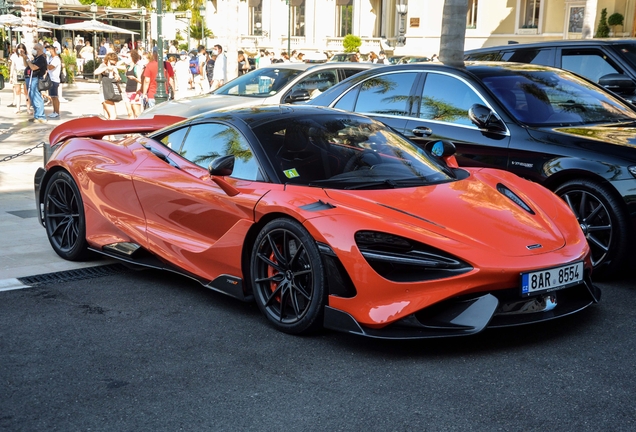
(503, 189)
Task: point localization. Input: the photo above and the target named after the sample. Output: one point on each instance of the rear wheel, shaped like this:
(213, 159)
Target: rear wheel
(602, 219)
(288, 277)
(64, 217)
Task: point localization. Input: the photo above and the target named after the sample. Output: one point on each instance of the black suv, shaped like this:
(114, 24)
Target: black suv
(608, 62)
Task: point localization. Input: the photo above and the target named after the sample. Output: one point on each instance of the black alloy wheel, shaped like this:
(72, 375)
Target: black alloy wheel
(288, 277)
(602, 220)
(64, 217)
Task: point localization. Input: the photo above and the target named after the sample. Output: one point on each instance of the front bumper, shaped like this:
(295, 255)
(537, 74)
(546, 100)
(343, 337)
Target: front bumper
(471, 315)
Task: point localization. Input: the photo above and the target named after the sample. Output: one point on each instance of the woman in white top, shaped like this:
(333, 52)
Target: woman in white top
(16, 77)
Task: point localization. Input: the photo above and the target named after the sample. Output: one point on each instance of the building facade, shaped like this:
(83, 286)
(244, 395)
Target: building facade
(409, 26)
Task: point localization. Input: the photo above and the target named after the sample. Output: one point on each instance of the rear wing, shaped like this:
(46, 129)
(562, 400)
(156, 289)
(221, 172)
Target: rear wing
(98, 127)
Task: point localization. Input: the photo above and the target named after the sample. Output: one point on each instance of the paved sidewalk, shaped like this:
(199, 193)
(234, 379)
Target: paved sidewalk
(24, 247)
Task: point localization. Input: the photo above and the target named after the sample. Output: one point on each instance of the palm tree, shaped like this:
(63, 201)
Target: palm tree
(451, 49)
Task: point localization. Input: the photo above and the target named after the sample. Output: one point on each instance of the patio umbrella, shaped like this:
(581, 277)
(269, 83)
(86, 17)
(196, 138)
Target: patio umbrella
(9, 20)
(95, 26)
(40, 30)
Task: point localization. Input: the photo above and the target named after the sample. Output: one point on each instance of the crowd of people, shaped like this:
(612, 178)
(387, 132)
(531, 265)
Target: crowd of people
(128, 72)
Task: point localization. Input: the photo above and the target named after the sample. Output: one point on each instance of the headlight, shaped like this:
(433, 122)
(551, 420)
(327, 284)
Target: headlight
(632, 170)
(403, 260)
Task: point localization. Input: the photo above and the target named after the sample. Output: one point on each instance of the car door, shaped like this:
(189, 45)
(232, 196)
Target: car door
(191, 221)
(440, 112)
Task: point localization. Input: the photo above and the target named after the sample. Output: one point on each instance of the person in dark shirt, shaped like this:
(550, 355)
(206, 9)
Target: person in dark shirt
(38, 68)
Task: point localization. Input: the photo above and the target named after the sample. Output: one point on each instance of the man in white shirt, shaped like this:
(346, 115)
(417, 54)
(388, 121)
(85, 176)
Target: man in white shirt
(54, 67)
(58, 47)
(220, 67)
(182, 75)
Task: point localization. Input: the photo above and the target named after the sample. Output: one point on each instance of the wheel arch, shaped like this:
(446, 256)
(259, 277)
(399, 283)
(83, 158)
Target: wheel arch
(563, 176)
(43, 185)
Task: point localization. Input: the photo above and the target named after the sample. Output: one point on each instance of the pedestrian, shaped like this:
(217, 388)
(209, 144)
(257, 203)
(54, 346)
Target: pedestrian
(220, 67)
(86, 54)
(182, 75)
(54, 67)
(200, 81)
(149, 80)
(133, 86)
(243, 63)
(58, 47)
(209, 69)
(38, 69)
(382, 58)
(109, 77)
(17, 78)
(373, 57)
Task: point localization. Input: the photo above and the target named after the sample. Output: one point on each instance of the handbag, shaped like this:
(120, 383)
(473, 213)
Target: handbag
(111, 90)
(44, 83)
(19, 75)
(63, 76)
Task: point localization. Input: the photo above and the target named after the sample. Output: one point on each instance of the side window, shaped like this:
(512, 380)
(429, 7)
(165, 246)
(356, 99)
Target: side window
(388, 94)
(489, 56)
(350, 72)
(591, 63)
(317, 82)
(208, 141)
(175, 138)
(348, 101)
(447, 99)
(533, 56)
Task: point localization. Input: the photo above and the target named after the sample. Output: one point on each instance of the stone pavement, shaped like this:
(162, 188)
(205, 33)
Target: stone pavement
(24, 247)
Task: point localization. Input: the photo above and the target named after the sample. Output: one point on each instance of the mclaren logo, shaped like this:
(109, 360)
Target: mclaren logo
(534, 246)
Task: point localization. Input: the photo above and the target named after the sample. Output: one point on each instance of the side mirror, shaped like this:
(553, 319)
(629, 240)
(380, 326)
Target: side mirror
(484, 118)
(222, 166)
(297, 96)
(618, 83)
(444, 150)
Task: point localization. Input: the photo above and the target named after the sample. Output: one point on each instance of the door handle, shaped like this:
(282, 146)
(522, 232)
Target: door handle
(422, 131)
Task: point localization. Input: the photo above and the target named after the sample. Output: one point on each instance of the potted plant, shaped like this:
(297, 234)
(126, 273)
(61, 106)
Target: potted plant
(615, 19)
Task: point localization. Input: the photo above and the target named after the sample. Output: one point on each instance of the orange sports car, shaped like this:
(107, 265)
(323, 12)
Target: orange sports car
(322, 217)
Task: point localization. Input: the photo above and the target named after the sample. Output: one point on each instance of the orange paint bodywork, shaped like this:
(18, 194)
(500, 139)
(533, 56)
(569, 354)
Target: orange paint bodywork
(188, 220)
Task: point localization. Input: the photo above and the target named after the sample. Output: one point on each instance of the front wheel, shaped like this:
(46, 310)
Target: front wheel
(602, 220)
(64, 217)
(288, 277)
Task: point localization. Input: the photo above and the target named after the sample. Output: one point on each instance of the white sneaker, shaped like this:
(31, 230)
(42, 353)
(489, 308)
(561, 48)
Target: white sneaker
(39, 120)
(54, 115)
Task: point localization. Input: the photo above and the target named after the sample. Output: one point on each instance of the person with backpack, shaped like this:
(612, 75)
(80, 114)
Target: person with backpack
(194, 67)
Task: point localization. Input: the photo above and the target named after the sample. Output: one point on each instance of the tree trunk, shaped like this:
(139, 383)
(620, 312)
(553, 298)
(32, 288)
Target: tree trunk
(588, 19)
(29, 23)
(451, 51)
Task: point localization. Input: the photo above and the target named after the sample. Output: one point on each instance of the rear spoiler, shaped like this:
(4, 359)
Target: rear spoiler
(98, 127)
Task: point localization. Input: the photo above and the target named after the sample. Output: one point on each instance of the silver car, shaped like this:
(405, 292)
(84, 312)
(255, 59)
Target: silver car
(275, 84)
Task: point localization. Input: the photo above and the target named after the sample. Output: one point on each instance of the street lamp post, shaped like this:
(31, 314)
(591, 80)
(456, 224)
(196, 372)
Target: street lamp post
(160, 95)
(202, 13)
(142, 11)
(39, 4)
(93, 9)
(289, 27)
(402, 10)
(189, 19)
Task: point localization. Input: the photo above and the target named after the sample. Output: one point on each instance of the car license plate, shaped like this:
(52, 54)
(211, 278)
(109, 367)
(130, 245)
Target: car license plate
(551, 279)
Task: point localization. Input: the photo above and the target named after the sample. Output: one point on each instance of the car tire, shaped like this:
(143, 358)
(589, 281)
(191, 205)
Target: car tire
(64, 217)
(288, 277)
(603, 221)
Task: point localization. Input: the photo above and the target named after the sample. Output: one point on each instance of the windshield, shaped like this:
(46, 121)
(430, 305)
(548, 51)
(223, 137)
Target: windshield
(346, 152)
(259, 83)
(547, 97)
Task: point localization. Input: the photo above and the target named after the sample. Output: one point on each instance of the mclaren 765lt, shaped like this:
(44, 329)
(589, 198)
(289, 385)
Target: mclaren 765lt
(320, 216)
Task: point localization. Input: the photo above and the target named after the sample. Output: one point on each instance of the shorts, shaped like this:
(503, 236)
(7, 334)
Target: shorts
(53, 89)
(134, 98)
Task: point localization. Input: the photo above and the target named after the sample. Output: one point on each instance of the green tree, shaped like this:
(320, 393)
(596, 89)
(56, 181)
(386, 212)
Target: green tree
(602, 31)
(351, 43)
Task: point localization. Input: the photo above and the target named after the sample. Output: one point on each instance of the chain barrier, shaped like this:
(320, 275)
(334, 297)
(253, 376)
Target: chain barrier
(23, 152)
(23, 131)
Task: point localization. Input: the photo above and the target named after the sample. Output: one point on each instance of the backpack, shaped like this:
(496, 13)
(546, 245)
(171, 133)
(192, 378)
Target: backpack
(194, 66)
(209, 69)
